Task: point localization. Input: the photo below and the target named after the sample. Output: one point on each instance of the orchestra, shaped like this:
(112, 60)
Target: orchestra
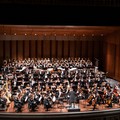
(47, 81)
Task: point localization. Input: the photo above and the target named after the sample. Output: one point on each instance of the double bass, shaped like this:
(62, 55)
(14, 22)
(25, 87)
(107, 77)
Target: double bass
(90, 98)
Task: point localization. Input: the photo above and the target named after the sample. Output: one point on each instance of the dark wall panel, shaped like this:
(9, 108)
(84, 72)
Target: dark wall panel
(32, 47)
(59, 49)
(72, 48)
(53, 48)
(20, 49)
(39, 46)
(112, 56)
(84, 49)
(1, 51)
(96, 49)
(90, 49)
(46, 48)
(117, 61)
(66, 49)
(13, 52)
(26, 49)
(78, 50)
(111, 59)
(7, 49)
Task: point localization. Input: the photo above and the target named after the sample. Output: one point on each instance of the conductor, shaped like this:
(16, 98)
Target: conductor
(72, 98)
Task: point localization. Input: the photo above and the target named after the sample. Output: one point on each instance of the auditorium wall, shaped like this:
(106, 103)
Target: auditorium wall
(112, 55)
(64, 46)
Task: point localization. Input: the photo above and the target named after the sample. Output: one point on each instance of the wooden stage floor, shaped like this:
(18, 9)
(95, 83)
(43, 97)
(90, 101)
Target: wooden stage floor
(56, 108)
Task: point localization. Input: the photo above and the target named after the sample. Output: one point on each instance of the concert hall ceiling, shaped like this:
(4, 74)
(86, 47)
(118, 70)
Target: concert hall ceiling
(57, 30)
(60, 12)
(65, 2)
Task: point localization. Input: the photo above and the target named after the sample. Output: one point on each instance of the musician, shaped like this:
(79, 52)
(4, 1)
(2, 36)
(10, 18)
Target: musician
(109, 101)
(53, 98)
(4, 95)
(46, 103)
(58, 83)
(3, 101)
(94, 102)
(72, 97)
(17, 103)
(32, 103)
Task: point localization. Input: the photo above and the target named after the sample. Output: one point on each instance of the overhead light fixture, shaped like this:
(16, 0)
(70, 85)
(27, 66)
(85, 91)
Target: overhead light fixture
(83, 34)
(4, 33)
(25, 34)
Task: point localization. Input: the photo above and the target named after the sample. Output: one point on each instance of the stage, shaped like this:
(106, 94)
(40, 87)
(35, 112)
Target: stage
(64, 107)
(110, 114)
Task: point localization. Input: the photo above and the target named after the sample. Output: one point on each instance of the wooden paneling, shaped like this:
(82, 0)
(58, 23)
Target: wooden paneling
(53, 48)
(20, 49)
(1, 51)
(46, 48)
(112, 57)
(32, 47)
(96, 49)
(7, 49)
(72, 48)
(26, 49)
(84, 49)
(13, 50)
(78, 46)
(50, 48)
(39, 50)
(90, 48)
(59, 49)
(66, 49)
(117, 61)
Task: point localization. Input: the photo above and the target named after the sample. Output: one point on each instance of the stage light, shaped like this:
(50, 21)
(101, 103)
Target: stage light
(4, 33)
(83, 34)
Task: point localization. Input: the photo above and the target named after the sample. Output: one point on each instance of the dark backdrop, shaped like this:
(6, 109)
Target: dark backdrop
(55, 14)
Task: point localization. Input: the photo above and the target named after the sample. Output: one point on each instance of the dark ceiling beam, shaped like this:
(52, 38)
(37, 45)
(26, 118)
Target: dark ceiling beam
(113, 3)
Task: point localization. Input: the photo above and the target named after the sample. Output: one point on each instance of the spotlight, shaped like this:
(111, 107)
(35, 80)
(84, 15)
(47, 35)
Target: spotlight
(4, 33)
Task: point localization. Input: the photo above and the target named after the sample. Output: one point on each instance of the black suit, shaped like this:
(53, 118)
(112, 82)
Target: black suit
(47, 104)
(72, 95)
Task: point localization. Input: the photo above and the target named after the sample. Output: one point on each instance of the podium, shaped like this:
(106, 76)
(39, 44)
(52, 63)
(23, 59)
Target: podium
(75, 108)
